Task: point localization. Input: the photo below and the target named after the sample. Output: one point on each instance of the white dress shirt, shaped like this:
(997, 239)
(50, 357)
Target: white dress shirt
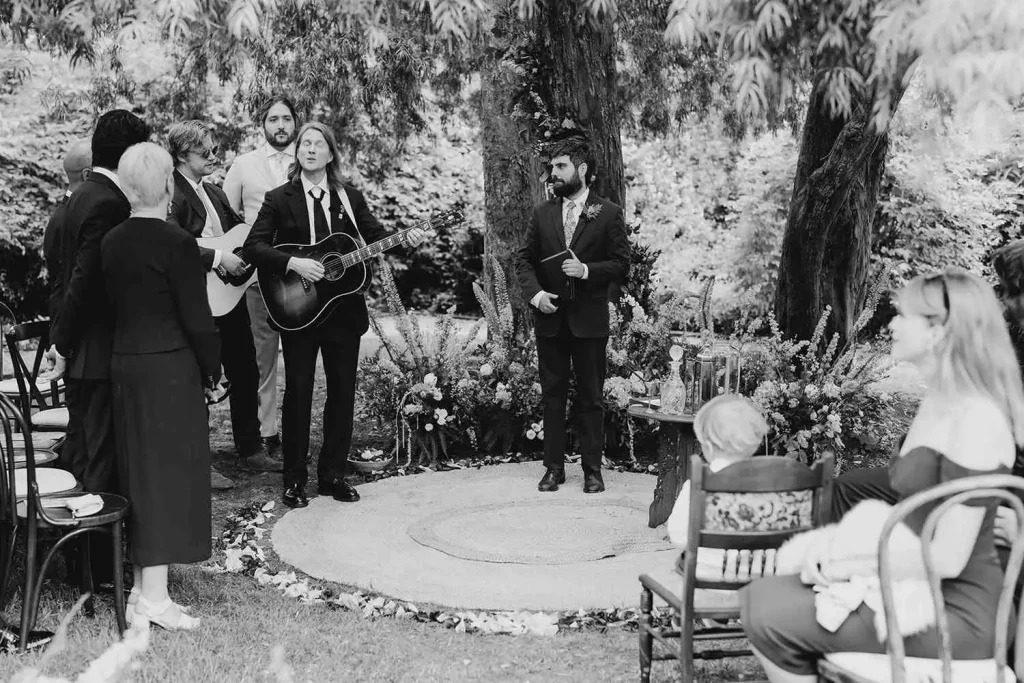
(110, 174)
(325, 201)
(280, 161)
(579, 202)
(213, 227)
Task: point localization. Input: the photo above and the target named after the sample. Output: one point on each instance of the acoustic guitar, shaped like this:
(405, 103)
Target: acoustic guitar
(295, 303)
(223, 289)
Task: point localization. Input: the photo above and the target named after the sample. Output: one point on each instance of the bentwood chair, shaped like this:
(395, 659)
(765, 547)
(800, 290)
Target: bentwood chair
(34, 500)
(804, 493)
(895, 666)
(40, 401)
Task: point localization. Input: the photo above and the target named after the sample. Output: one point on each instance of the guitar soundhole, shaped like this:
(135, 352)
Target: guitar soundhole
(334, 267)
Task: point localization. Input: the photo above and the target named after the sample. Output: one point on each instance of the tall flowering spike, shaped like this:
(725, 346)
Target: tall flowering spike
(819, 330)
(490, 312)
(502, 301)
(470, 338)
(707, 322)
(880, 285)
(830, 352)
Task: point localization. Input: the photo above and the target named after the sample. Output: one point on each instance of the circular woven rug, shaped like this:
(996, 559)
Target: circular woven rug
(484, 539)
(539, 532)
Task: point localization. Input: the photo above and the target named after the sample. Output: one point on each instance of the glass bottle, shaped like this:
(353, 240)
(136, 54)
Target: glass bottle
(673, 391)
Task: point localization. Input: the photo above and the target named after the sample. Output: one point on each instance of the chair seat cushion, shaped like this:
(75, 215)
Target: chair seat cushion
(42, 440)
(875, 667)
(54, 418)
(42, 457)
(50, 480)
(9, 386)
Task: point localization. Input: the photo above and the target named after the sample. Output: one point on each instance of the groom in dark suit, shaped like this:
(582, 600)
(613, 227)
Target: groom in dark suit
(576, 249)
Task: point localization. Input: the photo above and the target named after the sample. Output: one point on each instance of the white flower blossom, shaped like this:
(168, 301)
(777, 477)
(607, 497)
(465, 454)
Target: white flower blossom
(486, 370)
(430, 379)
(429, 426)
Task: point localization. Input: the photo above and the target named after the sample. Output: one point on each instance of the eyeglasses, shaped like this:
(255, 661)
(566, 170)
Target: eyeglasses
(207, 153)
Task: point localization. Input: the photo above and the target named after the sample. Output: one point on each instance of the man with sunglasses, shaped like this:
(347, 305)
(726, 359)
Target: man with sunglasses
(203, 210)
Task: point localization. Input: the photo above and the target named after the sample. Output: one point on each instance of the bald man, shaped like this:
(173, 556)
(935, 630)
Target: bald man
(77, 164)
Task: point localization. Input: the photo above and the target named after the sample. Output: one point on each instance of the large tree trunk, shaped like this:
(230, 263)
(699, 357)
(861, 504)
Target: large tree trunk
(827, 244)
(579, 85)
(583, 84)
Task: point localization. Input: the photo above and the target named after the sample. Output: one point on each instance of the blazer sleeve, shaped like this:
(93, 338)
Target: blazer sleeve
(179, 213)
(86, 277)
(188, 287)
(259, 245)
(233, 188)
(616, 267)
(527, 259)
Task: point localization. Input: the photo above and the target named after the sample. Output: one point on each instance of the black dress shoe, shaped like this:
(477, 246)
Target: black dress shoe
(295, 497)
(551, 479)
(340, 489)
(593, 483)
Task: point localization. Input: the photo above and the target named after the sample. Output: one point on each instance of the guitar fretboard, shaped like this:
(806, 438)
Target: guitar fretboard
(369, 251)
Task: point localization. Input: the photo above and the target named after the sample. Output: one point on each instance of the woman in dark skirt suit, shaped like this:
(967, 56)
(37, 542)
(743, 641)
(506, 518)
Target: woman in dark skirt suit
(165, 352)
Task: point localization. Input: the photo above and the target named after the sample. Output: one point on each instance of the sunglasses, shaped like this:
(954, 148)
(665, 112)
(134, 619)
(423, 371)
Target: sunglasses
(208, 153)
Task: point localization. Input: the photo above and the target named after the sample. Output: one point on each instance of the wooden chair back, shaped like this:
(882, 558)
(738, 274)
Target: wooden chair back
(31, 393)
(774, 475)
(951, 493)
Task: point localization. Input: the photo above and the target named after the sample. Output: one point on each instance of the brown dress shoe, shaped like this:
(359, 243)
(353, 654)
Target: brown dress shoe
(260, 462)
(551, 479)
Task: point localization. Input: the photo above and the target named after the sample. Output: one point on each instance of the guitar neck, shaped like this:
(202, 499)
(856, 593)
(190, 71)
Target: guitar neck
(379, 247)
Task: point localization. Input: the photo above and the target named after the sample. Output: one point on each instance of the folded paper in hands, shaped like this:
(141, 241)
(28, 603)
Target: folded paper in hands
(83, 506)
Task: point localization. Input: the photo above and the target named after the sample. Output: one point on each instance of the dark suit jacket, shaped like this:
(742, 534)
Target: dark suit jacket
(54, 258)
(157, 289)
(188, 211)
(283, 219)
(601, 243)
(84, 329)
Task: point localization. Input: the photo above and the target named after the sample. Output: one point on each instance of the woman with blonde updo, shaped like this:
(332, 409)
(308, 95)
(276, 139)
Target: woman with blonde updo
(165, 351)
(970, 420)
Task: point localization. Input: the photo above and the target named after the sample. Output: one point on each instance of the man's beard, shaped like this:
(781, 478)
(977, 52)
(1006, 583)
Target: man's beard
(569, 187)
(272, 139)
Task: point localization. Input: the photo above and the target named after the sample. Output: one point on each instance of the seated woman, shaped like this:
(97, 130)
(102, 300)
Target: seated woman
(971, 417)
(165, 350)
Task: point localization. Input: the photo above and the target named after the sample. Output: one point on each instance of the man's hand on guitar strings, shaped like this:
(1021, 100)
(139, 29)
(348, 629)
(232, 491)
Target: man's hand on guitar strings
(415, 236)
(308, 268)
(231, 263)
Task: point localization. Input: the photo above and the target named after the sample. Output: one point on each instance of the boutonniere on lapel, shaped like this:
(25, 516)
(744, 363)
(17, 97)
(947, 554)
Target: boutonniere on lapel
(591, 211)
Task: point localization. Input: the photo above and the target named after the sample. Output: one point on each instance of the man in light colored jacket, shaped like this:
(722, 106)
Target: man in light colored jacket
(251, 176)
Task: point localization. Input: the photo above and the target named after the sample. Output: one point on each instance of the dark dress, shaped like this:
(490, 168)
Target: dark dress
(165, 348)
(778, 613)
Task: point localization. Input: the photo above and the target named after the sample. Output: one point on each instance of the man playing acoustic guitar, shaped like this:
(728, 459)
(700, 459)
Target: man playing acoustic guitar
(308, 209)
(203, 210)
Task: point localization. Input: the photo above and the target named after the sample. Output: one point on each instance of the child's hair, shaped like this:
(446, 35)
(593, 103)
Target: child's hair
(731, 425)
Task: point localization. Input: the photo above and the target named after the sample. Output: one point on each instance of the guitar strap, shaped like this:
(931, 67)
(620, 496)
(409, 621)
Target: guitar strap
(343, 197)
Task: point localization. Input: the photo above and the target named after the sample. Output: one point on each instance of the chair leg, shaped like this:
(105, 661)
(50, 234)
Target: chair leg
(685, 648)
(28, 605)
(86, 585)
(119, 606)
(646, 641)
(10, 542)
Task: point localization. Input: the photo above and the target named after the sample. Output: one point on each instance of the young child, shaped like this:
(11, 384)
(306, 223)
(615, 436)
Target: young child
(729, 428)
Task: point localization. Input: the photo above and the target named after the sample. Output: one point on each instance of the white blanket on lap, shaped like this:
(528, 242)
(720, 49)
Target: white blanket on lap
(853, 551)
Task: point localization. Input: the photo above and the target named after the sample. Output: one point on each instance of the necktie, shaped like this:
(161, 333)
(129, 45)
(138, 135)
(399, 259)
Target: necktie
(213, 228)
(570, 220)
(280, 167)
(321, 227)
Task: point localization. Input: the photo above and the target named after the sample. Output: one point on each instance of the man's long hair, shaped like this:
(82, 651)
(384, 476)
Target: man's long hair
(334, 178)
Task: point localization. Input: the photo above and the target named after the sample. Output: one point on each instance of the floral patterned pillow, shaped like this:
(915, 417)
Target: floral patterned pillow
(758, 511)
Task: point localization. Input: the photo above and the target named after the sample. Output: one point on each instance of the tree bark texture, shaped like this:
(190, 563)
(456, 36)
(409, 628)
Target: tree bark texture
(826, 248)
(580, 84)
(511, 183)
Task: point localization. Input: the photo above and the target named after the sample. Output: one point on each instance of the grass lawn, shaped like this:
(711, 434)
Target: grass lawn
(242, 622)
